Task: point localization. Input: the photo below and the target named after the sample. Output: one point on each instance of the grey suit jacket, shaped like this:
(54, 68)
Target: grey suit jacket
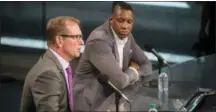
(45, 88)
(101, 57)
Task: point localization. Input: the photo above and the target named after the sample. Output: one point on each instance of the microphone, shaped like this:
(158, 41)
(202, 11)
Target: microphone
(149, 48)
(104, 79)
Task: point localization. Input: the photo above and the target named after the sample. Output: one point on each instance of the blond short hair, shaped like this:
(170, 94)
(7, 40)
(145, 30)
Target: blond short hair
(57, 26)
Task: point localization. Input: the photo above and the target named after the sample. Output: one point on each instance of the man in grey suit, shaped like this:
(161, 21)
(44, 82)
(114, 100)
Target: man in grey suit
(112, 51)
(48, 85)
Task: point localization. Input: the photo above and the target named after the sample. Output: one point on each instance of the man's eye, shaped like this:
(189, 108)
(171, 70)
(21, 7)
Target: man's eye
(79, 37)
(120, 20)
(130, 21)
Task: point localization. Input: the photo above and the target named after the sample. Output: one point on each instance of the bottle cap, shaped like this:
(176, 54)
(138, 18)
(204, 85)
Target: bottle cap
(163, 70)
(153, 106)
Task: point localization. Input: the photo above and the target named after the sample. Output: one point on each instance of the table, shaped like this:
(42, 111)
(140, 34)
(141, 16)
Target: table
(141, 97)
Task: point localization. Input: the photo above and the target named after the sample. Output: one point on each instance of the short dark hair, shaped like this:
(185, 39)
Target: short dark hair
(122, 5)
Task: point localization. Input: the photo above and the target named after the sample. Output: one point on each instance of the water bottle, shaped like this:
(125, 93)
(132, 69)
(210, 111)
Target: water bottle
(152, 108)
(163, 89)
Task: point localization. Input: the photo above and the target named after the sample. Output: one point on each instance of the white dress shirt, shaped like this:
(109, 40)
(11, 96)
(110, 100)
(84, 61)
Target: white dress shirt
(120, 46)
(63, 63)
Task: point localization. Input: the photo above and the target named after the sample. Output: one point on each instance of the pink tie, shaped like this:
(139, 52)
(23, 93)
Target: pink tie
(70, 84)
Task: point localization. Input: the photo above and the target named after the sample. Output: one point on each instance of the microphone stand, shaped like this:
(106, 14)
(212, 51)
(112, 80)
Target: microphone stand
(160, 64)
(117, 100)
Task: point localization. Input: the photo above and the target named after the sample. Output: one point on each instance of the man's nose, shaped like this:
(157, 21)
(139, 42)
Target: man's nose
(81, 42)
(125, 25)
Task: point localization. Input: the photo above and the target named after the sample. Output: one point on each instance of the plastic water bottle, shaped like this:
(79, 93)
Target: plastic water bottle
(163, 89)
(152, 108)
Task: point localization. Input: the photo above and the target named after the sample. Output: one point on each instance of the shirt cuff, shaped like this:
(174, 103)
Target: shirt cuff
(127, 80)
(135, 71)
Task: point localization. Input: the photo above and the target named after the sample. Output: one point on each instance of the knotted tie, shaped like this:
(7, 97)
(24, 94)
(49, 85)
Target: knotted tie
(70, 84)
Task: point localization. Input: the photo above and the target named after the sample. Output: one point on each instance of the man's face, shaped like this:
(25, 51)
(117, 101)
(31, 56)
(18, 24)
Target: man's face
(122, 22)
(71, 44)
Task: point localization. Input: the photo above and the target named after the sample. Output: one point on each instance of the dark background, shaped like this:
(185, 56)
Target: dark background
(169, 29)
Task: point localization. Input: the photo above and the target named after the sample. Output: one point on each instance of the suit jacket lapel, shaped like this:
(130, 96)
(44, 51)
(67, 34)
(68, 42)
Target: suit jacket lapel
(126, 52)
(110, 34)
(116, 52)
(51, 56)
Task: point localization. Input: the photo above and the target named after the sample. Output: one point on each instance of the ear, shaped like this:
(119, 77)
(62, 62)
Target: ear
(59, 41)
(110, 20)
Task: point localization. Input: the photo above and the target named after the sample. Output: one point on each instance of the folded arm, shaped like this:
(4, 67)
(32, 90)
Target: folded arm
(138, 56)
(101, 56)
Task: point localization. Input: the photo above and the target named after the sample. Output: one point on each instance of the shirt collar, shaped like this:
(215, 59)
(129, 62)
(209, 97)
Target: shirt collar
(117, 39)
(62, 61)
